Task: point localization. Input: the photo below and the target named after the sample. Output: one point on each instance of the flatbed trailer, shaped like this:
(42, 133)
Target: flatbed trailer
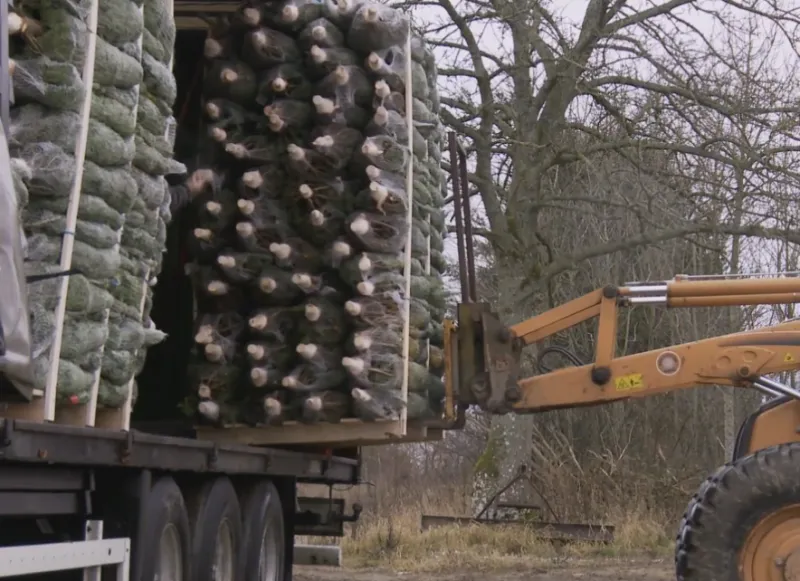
(156, 497)
(91, 490)
(158, 500)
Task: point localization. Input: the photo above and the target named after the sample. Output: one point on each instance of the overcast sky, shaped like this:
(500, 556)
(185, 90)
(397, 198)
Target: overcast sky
(493, 39)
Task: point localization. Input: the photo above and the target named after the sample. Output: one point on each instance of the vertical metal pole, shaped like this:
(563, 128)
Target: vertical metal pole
(124, 568)
(6, 86)
(93, 532)
(456, 182)
(468, 240)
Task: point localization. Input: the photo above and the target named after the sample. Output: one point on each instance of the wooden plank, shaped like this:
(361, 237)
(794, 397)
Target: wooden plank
(32, 412)
(349, 432)
(77, 415)
(184, 7)
(416, 434)
(73, 415)
(562, 532)
(190, 23)
(112, 418)
(69, 415)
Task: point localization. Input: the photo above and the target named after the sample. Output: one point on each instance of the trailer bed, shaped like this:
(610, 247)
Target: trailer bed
(49, 444)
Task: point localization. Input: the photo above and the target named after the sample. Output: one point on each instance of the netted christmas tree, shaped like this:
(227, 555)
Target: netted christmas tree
(299, 254)
(118, 238)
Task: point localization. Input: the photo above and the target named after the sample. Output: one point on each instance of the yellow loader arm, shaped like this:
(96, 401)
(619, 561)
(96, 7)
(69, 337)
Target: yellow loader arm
(744, 522)
(486, 354)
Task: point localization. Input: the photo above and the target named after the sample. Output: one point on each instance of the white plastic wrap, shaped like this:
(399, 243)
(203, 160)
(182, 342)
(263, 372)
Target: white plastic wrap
(15, 358)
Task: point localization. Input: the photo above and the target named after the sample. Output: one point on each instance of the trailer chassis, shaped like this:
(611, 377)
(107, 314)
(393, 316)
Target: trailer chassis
(65, 483)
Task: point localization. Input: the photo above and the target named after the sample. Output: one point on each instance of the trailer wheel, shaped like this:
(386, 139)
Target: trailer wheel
(264, 535)
(216, 532)
(165, 540)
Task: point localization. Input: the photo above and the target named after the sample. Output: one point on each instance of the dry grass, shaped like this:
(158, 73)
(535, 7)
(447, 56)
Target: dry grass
(643, 507)
(396, 542)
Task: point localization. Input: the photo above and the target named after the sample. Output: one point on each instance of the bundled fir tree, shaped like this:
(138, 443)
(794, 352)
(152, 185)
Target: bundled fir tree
(304, 243)
(117, 238)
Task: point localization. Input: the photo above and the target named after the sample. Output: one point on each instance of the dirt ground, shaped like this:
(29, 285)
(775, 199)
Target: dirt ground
(587, 571)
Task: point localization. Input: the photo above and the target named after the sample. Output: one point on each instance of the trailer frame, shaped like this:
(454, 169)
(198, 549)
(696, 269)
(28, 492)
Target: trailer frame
(47, 444)
(69, 479)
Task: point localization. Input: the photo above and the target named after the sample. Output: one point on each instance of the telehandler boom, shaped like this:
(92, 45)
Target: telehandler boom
(743, 524)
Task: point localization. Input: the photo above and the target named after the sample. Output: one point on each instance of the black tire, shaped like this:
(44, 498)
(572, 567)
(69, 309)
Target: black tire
(164, 509)
(212, 505)
(726, 508)
(263, 516)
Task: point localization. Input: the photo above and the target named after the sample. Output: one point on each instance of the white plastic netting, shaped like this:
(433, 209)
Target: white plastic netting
(303, 243)
(120, 231)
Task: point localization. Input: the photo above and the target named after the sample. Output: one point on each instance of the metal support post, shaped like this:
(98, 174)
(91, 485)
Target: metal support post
(6, 86)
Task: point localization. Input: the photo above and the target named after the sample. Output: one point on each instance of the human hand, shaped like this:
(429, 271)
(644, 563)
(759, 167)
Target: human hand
(199, 180)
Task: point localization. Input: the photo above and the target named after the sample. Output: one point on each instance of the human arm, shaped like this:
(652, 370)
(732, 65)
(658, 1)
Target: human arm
(181, 195)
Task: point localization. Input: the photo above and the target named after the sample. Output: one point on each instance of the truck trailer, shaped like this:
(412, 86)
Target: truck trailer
(159, 494)
(152, 501)
(141, 489)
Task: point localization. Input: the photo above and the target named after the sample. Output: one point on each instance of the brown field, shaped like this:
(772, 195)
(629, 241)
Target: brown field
(395, 549)
(587, 570)
(401, 484)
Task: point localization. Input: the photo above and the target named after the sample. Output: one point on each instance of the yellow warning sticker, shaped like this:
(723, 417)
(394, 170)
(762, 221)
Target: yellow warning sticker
(789, 358)
(629, 382)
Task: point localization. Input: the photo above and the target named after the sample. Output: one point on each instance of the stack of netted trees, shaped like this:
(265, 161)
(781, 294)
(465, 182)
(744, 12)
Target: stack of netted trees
(300, 253)
(120, 232)
(145, 232)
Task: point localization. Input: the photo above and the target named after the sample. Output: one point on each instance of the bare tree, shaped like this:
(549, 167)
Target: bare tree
(631, 82)
(632, 125)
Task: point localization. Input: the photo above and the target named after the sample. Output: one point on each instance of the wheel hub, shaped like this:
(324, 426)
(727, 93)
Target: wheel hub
(170, 555)
(224, 557)
(771, 551)
(791, 569)
(268, 556)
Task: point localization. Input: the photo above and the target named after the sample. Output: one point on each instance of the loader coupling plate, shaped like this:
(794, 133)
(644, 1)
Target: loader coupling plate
(488, 360)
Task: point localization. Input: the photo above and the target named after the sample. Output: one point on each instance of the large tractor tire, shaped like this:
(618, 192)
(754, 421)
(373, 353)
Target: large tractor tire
(744, 522)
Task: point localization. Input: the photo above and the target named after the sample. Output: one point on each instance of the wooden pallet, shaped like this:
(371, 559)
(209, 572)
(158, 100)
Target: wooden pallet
(347, 433)
(108, 418)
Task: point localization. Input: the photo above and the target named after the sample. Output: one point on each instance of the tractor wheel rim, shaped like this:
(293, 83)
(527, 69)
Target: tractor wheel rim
(223, 554)
(269, 557)
(170, 555)
(771, 551)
